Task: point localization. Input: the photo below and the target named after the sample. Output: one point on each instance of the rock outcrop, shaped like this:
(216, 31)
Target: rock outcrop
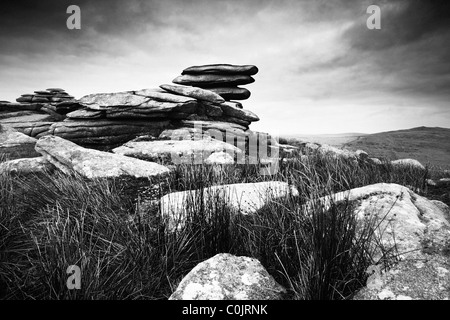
(228, 277)
(223, 79)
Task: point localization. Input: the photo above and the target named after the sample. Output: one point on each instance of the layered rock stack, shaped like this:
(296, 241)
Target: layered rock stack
(32, 114)
(223, 79)
(171, 112)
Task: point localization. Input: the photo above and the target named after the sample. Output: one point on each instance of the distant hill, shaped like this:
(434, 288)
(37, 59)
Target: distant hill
(428, 145)
(336, 140)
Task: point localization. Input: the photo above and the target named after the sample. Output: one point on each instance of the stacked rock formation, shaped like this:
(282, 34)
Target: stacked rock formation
(33, 114)
(46, 96)
(222, 79)
(107, 120)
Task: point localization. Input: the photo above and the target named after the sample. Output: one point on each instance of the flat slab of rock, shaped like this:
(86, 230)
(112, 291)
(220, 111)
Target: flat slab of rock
(213, 80)
(222, 69)
(228, 277)
(231, 93)
(85, 114)
(245, 198)
(68, 156)
(193, 92)
(175, 151)
(26, 166)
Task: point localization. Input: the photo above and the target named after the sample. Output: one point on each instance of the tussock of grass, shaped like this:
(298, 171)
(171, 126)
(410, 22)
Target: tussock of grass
(50, 222)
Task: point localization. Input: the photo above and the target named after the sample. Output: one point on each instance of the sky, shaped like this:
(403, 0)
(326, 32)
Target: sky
(321, 70)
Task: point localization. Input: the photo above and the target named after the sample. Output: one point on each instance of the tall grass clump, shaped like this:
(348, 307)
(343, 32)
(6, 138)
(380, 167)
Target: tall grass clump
(126, 251)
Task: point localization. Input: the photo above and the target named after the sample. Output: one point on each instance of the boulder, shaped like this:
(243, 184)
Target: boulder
(212, 80)
(68, 157)
(228, 277)
(222, 69)
(408, 163)
(244, 198)
(197, 93)
(175, 151)
(15, 144)
(405, 220)
(231, 93)
(26, 166)
(220, 157)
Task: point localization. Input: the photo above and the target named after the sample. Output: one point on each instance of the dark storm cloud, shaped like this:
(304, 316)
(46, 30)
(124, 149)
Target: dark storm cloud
(402, 23)
(28, 27)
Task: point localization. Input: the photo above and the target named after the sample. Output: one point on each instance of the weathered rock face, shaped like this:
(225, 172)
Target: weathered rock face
(228, 277)
(105, 132)
(406, 220)
(231, 93)
(26, 166)
(244, 198)
(175, 151)
(15, 144)
(67, 156)
(422, 279)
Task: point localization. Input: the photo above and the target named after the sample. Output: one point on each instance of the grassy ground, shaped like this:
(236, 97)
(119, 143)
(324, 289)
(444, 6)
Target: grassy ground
(49, 222)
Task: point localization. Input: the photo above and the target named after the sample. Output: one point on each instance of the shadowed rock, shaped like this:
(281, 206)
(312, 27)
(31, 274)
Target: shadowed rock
(213, 80)
(231, 93)
(222, 69)
(105, 132)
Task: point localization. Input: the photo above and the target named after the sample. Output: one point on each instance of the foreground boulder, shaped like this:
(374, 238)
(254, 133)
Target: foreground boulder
(423, 279)
(244, 198)
(405, 220)
(228, 277)
(68, 156)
